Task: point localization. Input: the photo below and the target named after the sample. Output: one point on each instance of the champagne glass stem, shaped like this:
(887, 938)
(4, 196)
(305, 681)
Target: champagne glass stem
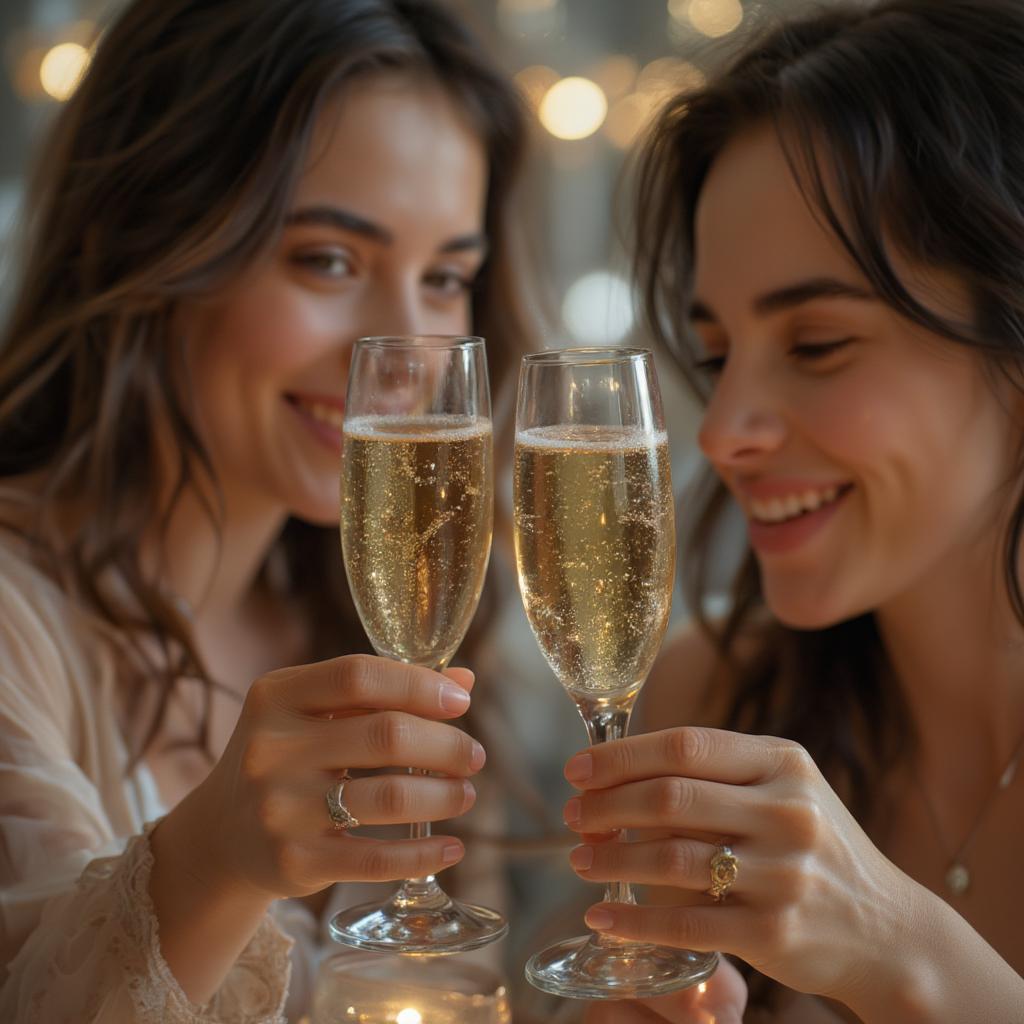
(606, 722)
(419, 890)
(425, 890)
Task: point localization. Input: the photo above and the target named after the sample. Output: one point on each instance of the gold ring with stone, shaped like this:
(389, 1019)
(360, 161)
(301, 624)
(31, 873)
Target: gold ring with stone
(341, 816)
(724, 869)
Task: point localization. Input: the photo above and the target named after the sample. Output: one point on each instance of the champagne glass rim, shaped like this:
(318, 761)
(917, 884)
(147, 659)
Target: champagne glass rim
(592, 355)
(432, 341)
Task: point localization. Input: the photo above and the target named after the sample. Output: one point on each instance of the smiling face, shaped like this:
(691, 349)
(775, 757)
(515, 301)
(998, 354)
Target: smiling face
(868, 455)
(384, 235)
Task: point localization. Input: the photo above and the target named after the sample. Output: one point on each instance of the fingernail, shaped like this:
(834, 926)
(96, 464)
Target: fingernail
(476, 762)
(580, 768)
(453, 698)
(573, 811)
(582, 858)
(451, 853)
(599, 919)
(468, 794)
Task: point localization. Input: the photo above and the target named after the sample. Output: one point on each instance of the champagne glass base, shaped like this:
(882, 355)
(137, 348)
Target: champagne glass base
(445, 927)
(583, 969)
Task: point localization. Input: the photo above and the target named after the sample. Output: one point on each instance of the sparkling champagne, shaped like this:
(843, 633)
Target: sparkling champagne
(416, 522)
(595, 548)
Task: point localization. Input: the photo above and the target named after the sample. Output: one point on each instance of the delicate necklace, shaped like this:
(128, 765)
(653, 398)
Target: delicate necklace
(958, 875)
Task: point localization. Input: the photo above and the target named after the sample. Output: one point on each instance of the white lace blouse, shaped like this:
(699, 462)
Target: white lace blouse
(78, 936)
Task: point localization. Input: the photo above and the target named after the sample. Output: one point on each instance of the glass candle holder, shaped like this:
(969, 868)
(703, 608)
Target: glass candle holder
(381, 988)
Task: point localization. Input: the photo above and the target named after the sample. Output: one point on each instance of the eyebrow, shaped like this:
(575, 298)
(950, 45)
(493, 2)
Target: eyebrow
(345, 220)
(791, 296)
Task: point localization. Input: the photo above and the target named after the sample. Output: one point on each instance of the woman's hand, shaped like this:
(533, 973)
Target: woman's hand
(262, 813)
(720, 1000)
(257, 828)
(815, 904)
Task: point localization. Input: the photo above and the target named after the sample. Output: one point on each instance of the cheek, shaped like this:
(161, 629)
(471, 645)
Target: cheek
(266, 327)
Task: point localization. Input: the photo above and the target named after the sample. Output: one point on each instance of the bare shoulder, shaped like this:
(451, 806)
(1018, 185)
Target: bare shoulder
(689, 684)
(694, 680)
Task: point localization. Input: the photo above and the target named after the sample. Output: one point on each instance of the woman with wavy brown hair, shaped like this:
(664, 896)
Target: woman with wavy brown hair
(235, 193)
(831, 242)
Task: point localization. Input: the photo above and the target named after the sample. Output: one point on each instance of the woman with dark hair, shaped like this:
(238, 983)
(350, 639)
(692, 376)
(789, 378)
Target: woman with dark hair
(235, 193)
(831, 241)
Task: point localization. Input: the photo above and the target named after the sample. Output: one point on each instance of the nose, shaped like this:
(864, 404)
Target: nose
(399, 306)
(743, 420)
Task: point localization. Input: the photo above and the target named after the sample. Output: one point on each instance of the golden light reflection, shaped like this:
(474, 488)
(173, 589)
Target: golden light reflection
(627, 119)
(712, 18)
(409, 1016)
(535, 81)
(573, 108)
(616, 75)
(62, 69)
(667, 76)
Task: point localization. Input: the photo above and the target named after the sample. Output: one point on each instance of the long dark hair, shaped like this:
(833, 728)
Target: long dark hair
(167, 173)
(913, 110)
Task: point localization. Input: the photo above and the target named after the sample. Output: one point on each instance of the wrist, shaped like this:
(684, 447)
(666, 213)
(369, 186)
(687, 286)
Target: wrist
(184, 846)
(936, 969)
(205, 918)
(902, 977)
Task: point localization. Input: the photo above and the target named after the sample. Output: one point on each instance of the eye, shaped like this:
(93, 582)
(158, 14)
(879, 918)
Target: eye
(818, 351)
(330, 263)
(710, 366)
(450, 282)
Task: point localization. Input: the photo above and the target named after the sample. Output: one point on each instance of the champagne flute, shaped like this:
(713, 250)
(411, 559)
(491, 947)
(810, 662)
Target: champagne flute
(417, 508)
(595, 550)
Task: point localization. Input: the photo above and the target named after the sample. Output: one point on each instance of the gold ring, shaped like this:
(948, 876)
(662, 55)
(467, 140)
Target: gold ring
(341, 816)
(724, 869)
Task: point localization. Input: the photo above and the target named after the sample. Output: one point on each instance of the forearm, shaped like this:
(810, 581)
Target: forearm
(204, 925)
(944, 973)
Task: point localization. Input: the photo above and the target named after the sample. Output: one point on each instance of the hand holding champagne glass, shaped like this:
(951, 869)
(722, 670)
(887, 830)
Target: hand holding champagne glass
(595, 549)
(416, 520)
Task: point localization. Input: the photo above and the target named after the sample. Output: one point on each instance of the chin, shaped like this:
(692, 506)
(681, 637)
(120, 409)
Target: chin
(807, 611)
(317, 510)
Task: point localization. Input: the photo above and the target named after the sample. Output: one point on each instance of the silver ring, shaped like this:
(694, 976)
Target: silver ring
(341, 816)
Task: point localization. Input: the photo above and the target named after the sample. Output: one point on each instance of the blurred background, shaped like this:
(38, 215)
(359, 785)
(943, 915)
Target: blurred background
(594, 72)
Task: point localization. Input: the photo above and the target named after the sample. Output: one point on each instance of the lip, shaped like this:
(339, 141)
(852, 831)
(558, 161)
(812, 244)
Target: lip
(330, 437)
(786, 537)
(783, 487)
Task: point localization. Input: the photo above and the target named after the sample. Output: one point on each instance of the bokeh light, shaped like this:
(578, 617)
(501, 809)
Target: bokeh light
(535, 81)
(712, 18)
(616, 75)
(598, 309)
(62, 69)
(573, 108)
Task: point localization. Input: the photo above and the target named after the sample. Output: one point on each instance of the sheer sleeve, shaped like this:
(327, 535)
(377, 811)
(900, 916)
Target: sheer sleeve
(79, 939)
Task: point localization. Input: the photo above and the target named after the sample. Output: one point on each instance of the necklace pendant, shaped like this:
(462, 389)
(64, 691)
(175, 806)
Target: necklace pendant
(958, 879)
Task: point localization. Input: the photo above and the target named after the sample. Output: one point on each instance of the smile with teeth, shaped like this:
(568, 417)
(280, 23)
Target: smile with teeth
(791, 506)
(326, 414)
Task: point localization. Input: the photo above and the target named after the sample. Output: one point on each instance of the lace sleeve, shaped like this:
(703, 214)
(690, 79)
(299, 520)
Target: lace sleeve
(95, 958)
(79, 939)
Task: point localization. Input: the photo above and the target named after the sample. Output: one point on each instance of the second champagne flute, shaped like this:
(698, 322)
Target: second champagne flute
(417, 493)
(595, 548)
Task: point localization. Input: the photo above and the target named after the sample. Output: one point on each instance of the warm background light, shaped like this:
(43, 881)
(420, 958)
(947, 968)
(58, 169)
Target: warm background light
(709, 17)
(409, 1016)
(535, 81)
(598, 309)
(616, 75)
(573, 108)
(62, 69)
